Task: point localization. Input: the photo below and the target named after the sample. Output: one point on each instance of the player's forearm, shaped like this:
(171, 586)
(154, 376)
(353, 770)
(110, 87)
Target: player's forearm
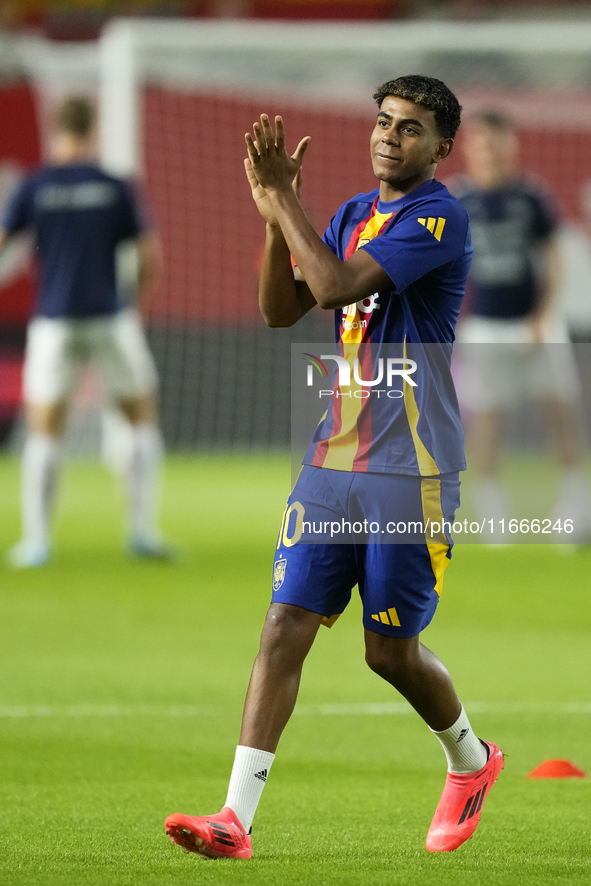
(150, 266)
(282, 299)
(553, 277)
(329, 279)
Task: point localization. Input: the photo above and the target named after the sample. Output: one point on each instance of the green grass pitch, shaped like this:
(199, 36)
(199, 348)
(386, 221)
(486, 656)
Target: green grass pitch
(122, 685)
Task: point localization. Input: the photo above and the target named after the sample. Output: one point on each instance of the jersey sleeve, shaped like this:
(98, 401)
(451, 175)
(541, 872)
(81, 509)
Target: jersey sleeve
(546, 215)
(18, 214)
(422, 240)
(329, 236)
(133, 219)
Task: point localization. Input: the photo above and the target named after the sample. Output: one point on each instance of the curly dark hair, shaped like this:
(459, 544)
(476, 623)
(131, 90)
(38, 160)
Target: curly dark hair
(430, 93)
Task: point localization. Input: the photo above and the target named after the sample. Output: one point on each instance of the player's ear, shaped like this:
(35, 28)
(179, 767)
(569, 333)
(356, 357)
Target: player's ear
(444, 150)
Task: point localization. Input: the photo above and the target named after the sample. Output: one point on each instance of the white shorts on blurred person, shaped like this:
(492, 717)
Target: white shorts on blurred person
(59, 348)
(499, 365)
(57, 351)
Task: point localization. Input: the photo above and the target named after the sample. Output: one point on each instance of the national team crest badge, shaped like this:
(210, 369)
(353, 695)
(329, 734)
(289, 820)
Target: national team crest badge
(279, 573)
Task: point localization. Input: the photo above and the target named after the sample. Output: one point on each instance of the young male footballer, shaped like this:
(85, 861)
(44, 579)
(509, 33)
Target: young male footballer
(79, 216)
(393, 266)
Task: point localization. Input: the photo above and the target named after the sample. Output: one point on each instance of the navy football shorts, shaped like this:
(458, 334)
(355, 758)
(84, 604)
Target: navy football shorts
(387, 533)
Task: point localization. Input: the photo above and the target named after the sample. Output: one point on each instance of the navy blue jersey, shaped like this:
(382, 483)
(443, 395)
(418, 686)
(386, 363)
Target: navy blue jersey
(423, 243)
(78, 215)
(508, 224)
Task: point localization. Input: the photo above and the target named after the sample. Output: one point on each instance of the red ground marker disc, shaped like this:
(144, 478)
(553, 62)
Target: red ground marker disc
(557, 769)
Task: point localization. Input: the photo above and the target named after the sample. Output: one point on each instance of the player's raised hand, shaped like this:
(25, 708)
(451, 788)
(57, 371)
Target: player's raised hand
(259, 195)
(273, 167)
(297, 182)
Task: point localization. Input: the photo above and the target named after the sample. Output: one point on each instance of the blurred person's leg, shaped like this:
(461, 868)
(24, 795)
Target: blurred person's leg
(566, 431)
(494, 353)
(120, 349)
(52, 366)
(574, 494)
(142, 468)
(556, 387)
(39, 469)
(487, 396)
(485, 440)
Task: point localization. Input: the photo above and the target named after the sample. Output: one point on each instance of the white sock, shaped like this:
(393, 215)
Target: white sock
(464, 751)
(143, 480)
(249, 774)
(39, 465)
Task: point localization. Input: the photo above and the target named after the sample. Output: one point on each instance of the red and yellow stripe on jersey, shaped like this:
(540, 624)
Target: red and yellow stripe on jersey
(422, 242)
(347, 449)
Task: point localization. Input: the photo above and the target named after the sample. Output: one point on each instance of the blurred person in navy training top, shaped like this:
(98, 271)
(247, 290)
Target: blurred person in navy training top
(392, 265)
(515, 314)
(79, 216)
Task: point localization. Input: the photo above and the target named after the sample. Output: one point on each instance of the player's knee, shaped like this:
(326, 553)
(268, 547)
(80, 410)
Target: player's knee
(140, 410)
(46, 419)
(378, 662)
(278, 623)
(389, 657)
(282, 621)
(287, 629)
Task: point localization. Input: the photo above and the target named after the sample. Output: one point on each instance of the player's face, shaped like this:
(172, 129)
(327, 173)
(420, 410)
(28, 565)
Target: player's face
(490, 152)
(405, 146)
(66, 148)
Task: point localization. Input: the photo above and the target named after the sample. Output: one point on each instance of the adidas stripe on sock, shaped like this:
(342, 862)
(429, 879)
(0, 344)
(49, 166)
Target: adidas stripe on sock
(464, 750)
(249, 774)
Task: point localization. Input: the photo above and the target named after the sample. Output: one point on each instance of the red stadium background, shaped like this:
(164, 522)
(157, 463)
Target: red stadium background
(213, 235)
(197, 191)
(20, 148)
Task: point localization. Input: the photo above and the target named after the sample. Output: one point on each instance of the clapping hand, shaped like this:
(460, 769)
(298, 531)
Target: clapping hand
(269, 167)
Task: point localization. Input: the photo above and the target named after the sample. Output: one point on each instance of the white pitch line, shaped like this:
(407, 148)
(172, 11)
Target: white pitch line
(94, 710)
(473, 707)
(339, 710)
(319, 710)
